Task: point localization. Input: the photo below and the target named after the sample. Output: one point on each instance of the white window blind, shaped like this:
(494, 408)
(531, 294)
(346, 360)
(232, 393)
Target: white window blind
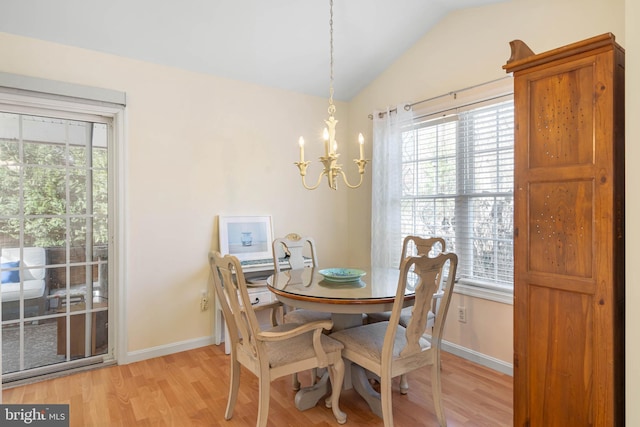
(457, 177)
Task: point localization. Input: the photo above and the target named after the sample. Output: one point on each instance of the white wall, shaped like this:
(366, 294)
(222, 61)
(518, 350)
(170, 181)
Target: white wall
(469, 47)
(197, 146)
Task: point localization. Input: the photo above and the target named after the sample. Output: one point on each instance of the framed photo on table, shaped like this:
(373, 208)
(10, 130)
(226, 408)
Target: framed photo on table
(246, 237)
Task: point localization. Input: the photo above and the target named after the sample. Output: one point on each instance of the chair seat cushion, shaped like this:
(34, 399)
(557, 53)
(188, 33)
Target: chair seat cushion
(305, 316)
(297, 348)
(384, 316)
(405, 315)
(32, 289)
(32, 257)
(367, 340)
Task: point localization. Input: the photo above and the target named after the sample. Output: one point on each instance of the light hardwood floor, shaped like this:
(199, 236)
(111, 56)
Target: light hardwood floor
(190, 389)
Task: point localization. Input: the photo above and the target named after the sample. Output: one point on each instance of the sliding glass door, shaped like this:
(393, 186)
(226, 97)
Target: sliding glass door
(54, 240)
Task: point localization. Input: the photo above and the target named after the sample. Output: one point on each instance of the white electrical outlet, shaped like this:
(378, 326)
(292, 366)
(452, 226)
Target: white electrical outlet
(462, 314)
(204, 301)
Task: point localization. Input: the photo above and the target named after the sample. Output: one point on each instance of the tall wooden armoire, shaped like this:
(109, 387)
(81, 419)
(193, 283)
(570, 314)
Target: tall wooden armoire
(569, 234)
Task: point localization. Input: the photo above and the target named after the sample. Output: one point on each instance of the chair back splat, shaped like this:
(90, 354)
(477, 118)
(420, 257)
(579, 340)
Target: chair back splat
(294, 248)
(416, 245)
(232, 293)
(425, 279)
(411, 246)
(299, 252)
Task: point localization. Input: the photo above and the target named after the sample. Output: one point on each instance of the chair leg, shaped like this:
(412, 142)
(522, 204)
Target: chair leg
(404, 384)
(234, 385)
(436, 387)
(264, 385)
(385, 399)
(336, 374)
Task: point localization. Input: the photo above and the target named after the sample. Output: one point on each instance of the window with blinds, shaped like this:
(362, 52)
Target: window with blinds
(457, 183)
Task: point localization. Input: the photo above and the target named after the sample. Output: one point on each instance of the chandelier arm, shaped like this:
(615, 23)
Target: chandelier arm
(346, 182)
(324, 172)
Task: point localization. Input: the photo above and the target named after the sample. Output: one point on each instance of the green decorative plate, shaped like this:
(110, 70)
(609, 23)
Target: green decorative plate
(342, 274)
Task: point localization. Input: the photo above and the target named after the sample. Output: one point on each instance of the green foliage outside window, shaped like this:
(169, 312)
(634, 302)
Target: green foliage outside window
(58, 196)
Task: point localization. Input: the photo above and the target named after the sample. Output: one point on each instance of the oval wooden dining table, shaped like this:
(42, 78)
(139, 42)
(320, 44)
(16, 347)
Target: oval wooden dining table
(347, 302)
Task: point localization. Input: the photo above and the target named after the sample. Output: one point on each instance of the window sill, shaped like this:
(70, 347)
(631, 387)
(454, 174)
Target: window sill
(501, 296)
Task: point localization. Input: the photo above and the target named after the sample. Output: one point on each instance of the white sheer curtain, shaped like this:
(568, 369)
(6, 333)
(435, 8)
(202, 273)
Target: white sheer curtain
(386, 238)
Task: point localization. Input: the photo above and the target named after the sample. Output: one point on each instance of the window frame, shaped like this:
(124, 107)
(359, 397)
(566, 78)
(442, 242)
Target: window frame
(441, 107)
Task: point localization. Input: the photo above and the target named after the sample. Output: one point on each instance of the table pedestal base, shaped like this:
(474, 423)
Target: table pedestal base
(354, 376)
(308, 397)
(362, 385)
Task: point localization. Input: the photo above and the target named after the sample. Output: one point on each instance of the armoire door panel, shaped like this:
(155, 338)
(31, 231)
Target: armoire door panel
(561, 124)
(560, 374)
(561, 227)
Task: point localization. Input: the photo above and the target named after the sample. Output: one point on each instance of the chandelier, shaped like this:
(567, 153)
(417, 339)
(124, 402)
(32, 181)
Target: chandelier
(330, 159)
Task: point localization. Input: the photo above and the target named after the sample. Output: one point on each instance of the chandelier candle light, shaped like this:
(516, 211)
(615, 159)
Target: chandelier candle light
(331, 168)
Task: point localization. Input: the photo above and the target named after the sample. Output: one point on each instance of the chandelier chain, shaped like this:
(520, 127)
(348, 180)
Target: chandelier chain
(332, 108)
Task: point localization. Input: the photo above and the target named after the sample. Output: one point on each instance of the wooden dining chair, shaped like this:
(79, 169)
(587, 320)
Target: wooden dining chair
(272, 353)
(415, 245)
(295, 250)
(388, 349)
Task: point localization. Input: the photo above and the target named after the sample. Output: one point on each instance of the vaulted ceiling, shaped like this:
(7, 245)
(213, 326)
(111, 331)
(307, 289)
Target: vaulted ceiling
(278, 43)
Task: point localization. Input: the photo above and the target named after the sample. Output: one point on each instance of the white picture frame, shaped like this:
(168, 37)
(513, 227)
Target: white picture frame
(246, 237)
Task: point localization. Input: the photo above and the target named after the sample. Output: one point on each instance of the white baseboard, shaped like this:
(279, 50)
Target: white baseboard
(163, 350)
(479, 358)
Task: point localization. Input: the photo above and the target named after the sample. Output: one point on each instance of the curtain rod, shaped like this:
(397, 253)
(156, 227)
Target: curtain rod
(408, 107)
